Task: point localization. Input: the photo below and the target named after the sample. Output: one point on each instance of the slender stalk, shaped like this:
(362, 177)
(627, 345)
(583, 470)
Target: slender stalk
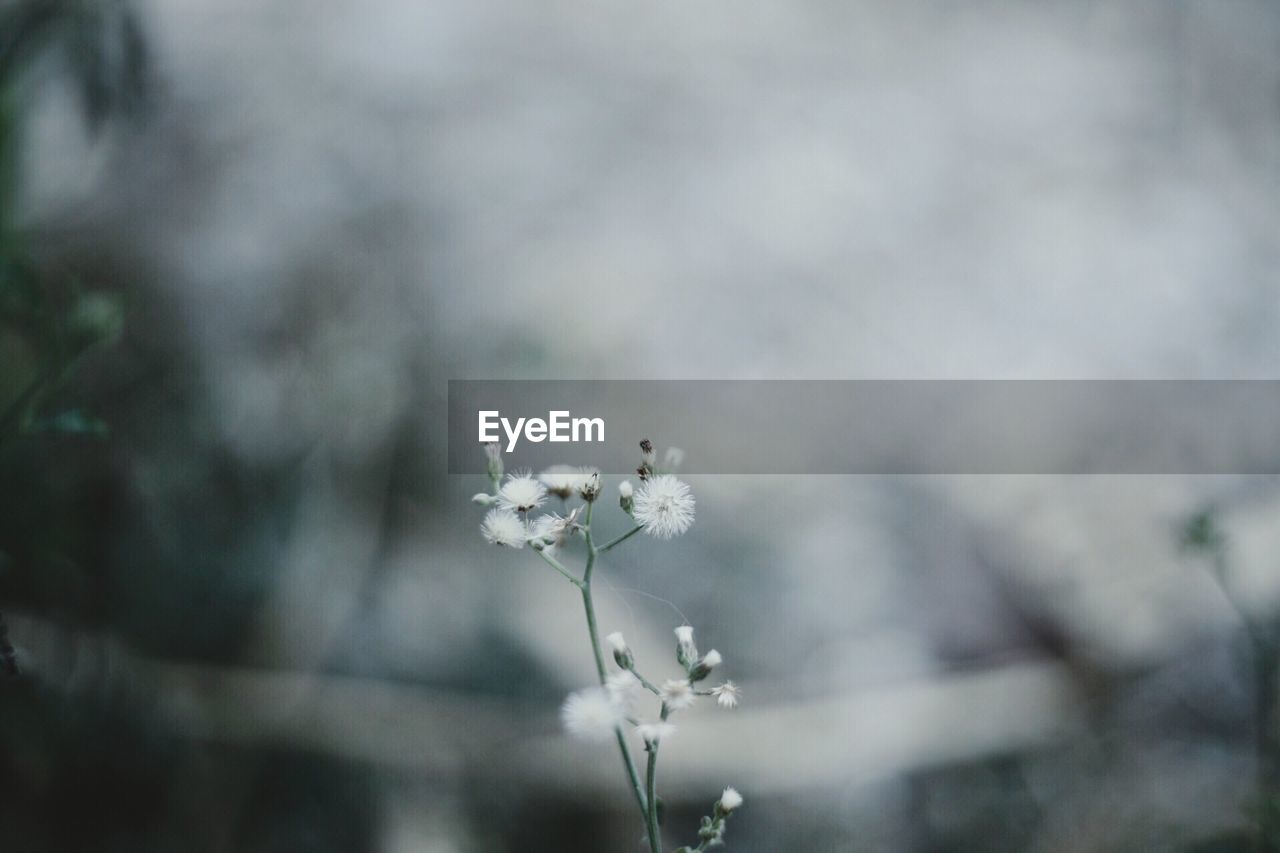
(619, 540)
(655, 837)
(559, 567)
(589, 607)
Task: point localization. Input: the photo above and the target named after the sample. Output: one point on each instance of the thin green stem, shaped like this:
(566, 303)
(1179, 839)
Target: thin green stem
(655, 834)
(559, 567)
(619, 540)
(593, 630)
(645, 683)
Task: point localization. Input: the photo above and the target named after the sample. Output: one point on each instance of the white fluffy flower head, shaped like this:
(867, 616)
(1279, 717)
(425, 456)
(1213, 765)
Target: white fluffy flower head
(677, 694)
(503, 527)
(730, 800)
(617, 641)
(622, 686)
(625, 489)
(664, 505)
(655, 732)
(521, 492)
(591, 714)
(712, 659)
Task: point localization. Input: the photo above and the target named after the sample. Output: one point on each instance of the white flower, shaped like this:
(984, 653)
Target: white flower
(591, 714)
(618, 641)
(622, 686)
(727, 695)
(503, 527)
(684, 635)
(625, 489)
(711, 659)
(564, 480)
(552, 530)
(521, 492)
(654, 732)
(730, 800)
(664, 505)
(677, 694)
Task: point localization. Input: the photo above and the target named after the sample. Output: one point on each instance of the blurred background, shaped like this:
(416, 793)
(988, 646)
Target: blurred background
(244, 245)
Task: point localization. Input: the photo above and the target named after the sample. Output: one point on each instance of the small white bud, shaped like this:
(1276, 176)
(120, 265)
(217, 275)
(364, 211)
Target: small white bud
(625, 489)
(684, 634)
(703, 668)
(616, 640)
(730, 800)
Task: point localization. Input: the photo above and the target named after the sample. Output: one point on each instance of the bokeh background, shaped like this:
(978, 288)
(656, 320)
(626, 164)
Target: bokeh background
(246, 244)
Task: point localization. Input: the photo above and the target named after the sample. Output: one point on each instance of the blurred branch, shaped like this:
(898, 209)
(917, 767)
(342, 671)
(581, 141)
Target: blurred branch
(855, 737)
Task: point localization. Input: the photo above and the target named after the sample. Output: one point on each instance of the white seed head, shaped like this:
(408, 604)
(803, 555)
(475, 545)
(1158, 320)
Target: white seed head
(618, 641)
(625, 489)
(503, 527)
(622, 686)
(655, 732)
(730, 800)
(591, 714)
(727, 695)
(677, 694)
(521, 493)
(664, 505)
(712, 659)
(565, 480)
(684, 635)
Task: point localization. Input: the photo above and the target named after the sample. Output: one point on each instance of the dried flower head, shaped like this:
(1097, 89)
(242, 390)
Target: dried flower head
(727, 695)
(521, 492)
(664, 505)
(503, 527)
(590, 488)
(591, 714)
(677, 694)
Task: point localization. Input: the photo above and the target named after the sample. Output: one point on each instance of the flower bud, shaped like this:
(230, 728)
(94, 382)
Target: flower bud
(729, 801)
(493, 453)
(621, 651)
(686, 651)
(703, 667)
(625, 496)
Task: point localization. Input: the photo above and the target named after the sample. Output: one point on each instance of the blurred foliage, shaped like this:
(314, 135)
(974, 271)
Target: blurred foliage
(93, 766)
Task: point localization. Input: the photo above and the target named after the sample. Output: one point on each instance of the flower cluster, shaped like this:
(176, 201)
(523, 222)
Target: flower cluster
(662, 506)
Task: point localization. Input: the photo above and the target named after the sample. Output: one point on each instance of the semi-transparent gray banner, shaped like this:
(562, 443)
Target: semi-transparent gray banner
(874, 427)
